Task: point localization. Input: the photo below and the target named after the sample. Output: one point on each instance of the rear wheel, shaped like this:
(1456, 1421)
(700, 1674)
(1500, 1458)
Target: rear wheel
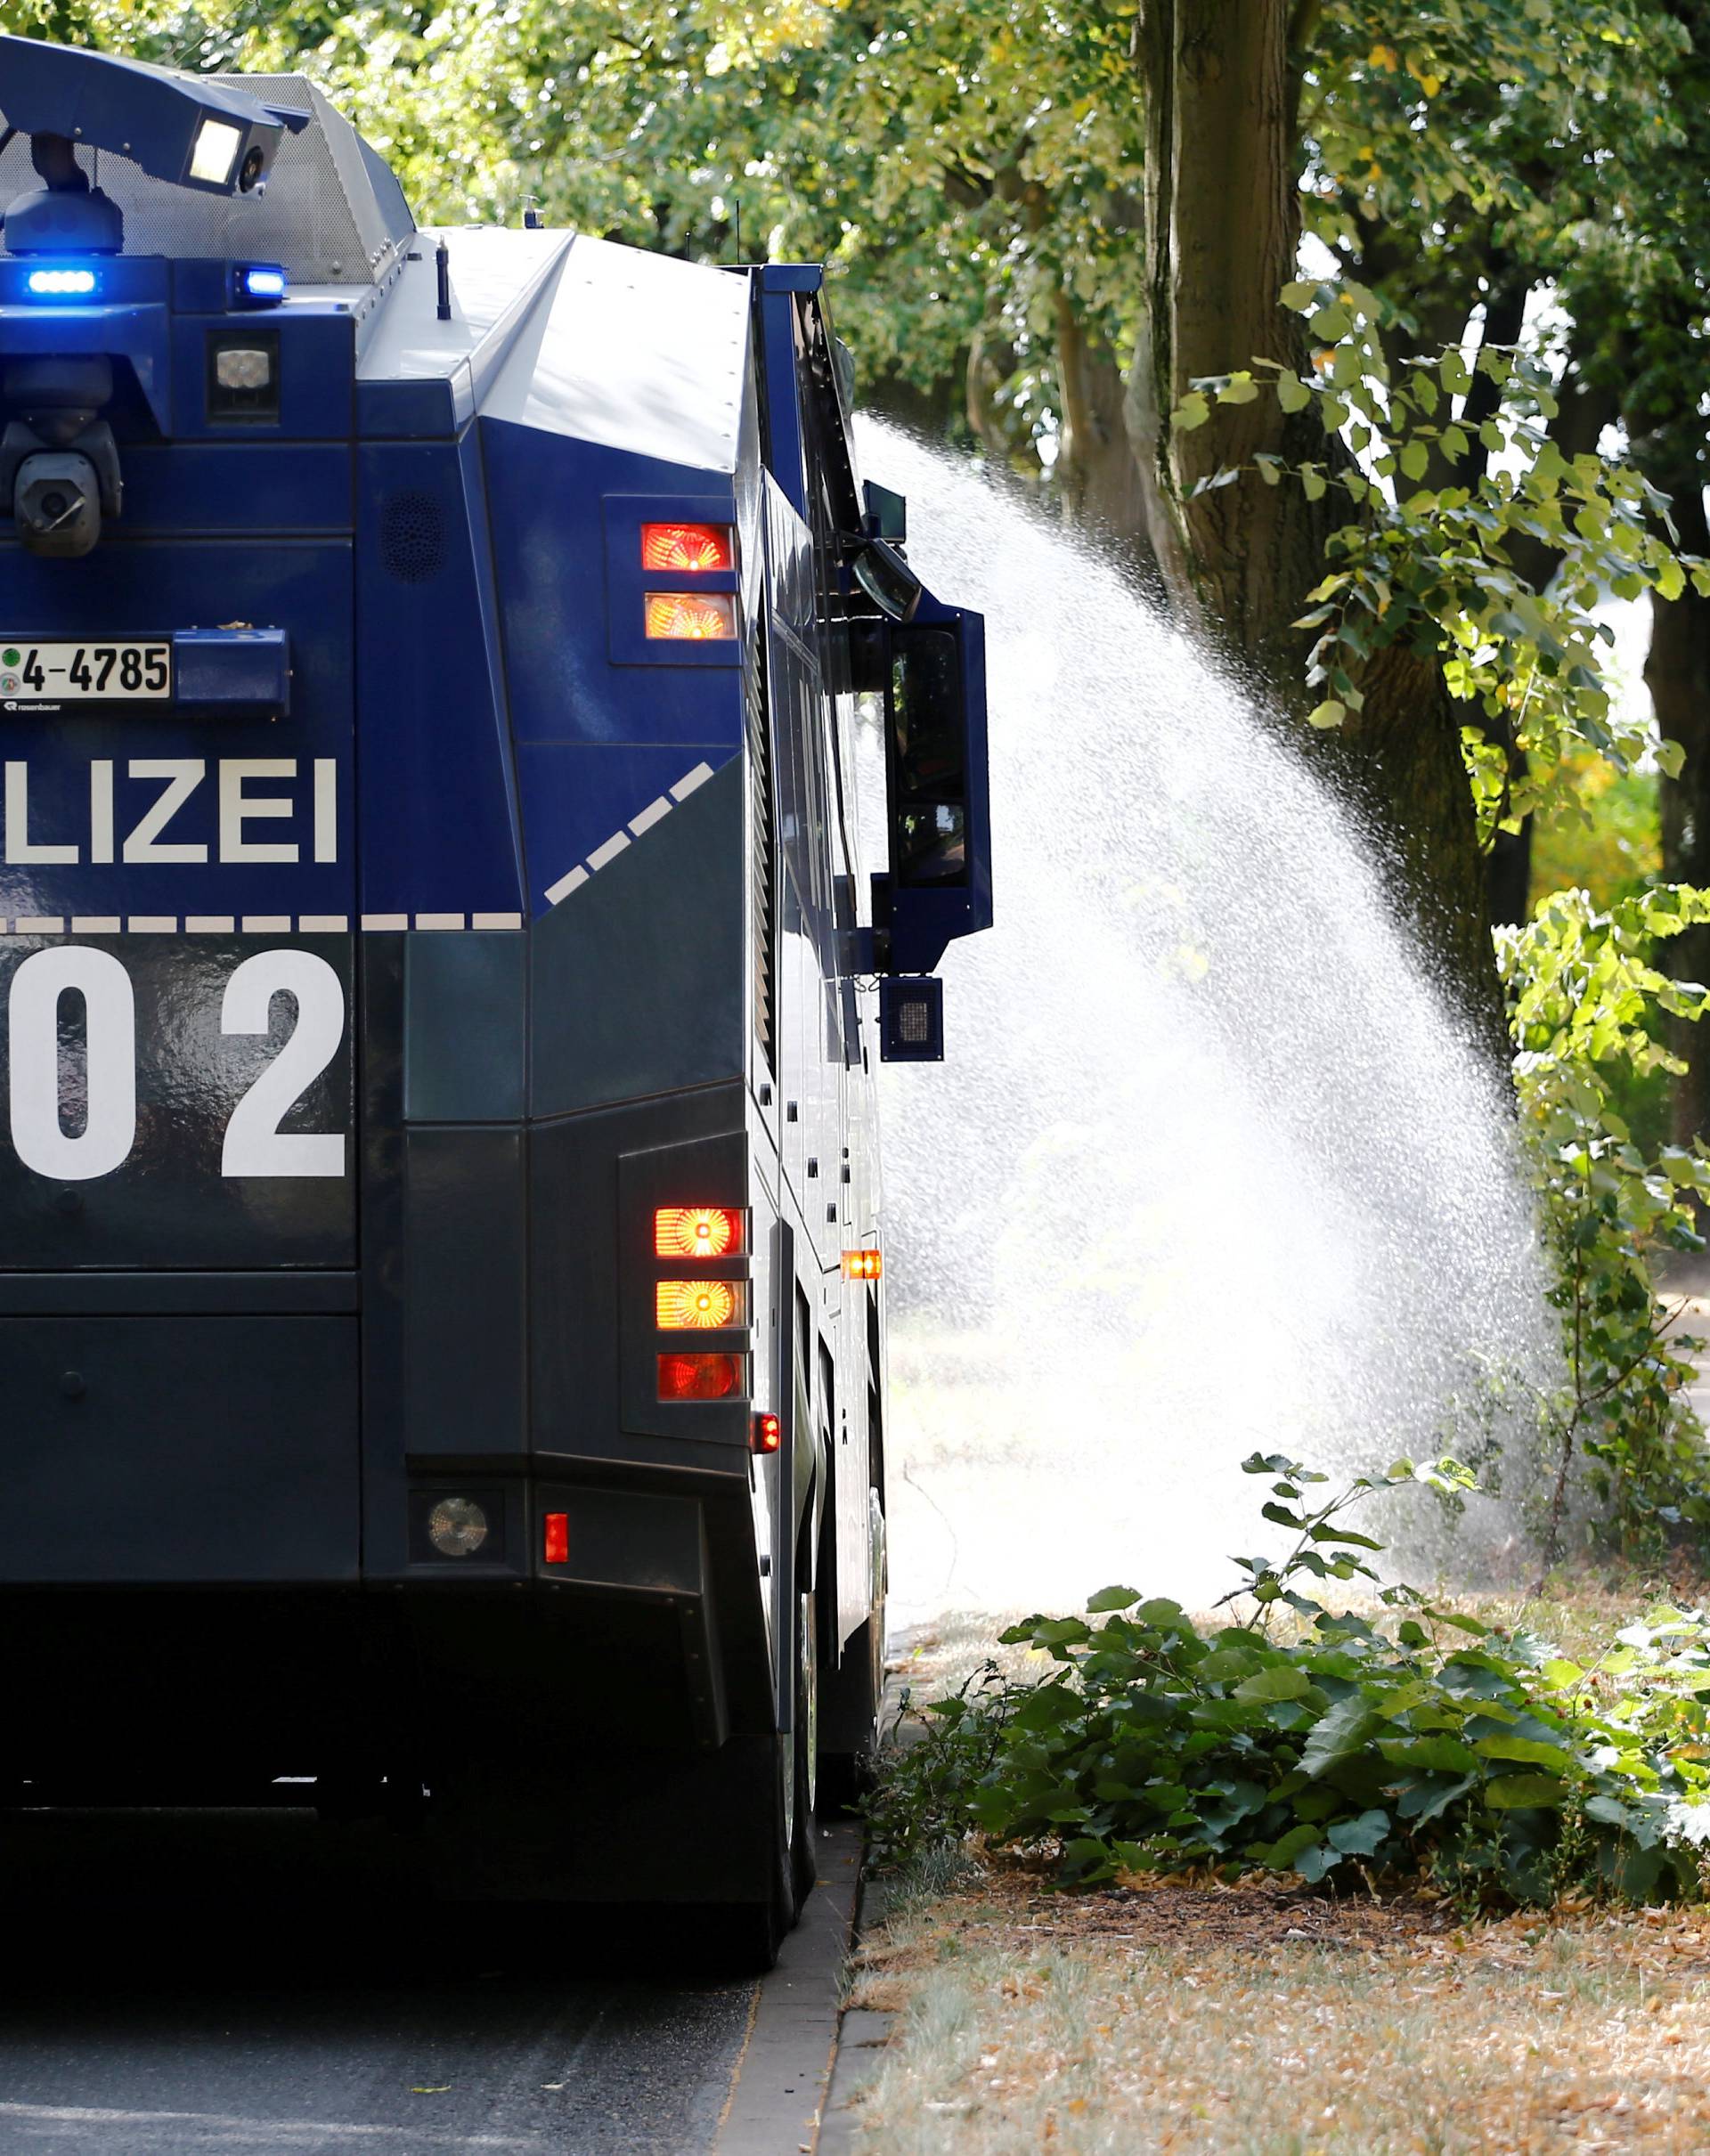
(804, 1851)
(849, 1716)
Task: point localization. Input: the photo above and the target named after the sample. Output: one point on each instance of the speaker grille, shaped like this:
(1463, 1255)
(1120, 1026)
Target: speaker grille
(413, 537)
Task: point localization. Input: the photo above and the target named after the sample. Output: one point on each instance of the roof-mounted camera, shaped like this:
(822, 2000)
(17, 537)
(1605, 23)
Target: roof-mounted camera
(183, 129)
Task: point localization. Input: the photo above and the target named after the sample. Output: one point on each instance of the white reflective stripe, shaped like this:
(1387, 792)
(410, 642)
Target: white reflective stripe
(96, 924)
(153, 924)
(496, 920)
(687, 785)
(649, 816)
(386, 921)
(322, 924)
(602, 857)
(209, 924)
(40, 926)
(440, 920)
(565, 886)
(266, 924)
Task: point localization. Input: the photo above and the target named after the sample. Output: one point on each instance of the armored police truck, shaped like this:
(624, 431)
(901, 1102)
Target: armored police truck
(442, 1335)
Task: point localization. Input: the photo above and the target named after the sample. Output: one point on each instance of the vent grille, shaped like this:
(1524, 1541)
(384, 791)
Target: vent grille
(413, 537)
(763, 884)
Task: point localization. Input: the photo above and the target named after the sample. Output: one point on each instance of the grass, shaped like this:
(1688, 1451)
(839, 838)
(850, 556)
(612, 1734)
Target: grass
(1265, 2020)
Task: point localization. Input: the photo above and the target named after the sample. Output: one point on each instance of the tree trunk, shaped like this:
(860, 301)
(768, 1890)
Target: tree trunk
(1098, 480)
(1222, 235)
(1677, 672)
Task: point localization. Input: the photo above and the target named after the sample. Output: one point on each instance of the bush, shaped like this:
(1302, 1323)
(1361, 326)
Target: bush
(1426, 1745)
(1588, 1010)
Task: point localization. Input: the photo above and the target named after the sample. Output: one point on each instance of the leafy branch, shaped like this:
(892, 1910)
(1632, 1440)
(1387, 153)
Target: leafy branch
(1424, 562)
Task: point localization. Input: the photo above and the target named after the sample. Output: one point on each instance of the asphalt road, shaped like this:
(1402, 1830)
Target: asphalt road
(172, 1982)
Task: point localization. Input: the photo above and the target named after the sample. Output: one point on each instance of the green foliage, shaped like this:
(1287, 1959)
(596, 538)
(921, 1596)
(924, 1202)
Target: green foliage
(1587, 1006)
(1606, 841)
(1427, 1744)
(1428, 567)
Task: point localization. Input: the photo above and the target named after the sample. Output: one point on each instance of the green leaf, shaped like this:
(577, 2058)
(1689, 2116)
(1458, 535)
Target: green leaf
(1193, 410)
(1360, 1837)
(1527, 1750)
(1332, 322)
(1281, 1854)
(1112, 1597)
(1435, 1754)
(1524, 1792)
(1281, 1681)
(1415, 460)
(1291, 392)
(1340, 1734)
(1327, 714)
(1299, 295)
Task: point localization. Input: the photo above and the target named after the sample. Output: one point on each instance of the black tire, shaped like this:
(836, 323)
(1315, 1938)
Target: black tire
(849, 1718)
(804, 1845)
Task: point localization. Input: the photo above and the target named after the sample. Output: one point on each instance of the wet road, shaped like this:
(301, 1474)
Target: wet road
(172, 1982)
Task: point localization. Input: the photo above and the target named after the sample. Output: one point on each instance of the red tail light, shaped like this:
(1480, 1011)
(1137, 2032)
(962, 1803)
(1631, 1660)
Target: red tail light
(700, 1377)
(688, 546)
(691, 616)
(557, 1538)
(697, 1231)
(767, 1434)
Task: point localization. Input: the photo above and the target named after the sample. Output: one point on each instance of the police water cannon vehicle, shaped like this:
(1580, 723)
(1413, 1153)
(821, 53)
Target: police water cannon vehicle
(441, 1329)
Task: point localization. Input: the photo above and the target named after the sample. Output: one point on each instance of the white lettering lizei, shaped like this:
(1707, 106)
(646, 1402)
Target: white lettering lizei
(154, 801)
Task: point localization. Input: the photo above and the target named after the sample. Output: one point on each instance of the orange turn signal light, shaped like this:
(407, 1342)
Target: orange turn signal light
(556, 1541)
(691, 616)
(863, 1264)
(683, 1376)
(698, 1231)
(767, 1434)
(688, 546)
(699, 1305)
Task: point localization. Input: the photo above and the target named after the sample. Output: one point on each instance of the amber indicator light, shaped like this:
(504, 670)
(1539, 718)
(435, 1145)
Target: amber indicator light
(699, 1305)
(863, 1264)
(690, 616)
(697, 1231)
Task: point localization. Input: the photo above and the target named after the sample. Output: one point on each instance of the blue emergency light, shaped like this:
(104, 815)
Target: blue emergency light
(260, 284)
(62, 284)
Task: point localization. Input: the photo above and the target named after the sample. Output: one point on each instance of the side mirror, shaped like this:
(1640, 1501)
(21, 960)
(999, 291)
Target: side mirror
(939, 884)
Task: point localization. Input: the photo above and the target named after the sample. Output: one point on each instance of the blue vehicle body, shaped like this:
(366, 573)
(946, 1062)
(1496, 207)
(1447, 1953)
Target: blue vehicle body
(366, 991)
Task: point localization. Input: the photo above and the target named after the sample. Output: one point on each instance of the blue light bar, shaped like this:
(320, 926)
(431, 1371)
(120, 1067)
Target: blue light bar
(262, 284)
(61, 284)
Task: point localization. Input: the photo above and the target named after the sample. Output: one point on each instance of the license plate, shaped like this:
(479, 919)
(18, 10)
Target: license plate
(110, 672)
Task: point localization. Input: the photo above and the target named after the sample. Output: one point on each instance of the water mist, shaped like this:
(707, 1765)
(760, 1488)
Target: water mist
(1209, 1167)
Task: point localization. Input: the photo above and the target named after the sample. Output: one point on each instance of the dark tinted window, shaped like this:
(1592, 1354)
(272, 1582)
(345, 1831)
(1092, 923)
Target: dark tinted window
(931, 834)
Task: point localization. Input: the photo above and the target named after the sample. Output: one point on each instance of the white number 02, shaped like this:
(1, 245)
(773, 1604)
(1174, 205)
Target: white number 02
(255, 1144)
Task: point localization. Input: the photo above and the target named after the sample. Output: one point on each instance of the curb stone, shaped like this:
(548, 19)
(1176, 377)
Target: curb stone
(779, 2091)
(862, 2034)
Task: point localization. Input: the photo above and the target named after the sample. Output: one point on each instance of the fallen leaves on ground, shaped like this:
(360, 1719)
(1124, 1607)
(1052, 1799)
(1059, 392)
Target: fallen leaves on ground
(1197, 2017)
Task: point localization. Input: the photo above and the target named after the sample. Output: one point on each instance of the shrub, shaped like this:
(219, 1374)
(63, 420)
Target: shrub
(1588, 1010)
(1425, 1744)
